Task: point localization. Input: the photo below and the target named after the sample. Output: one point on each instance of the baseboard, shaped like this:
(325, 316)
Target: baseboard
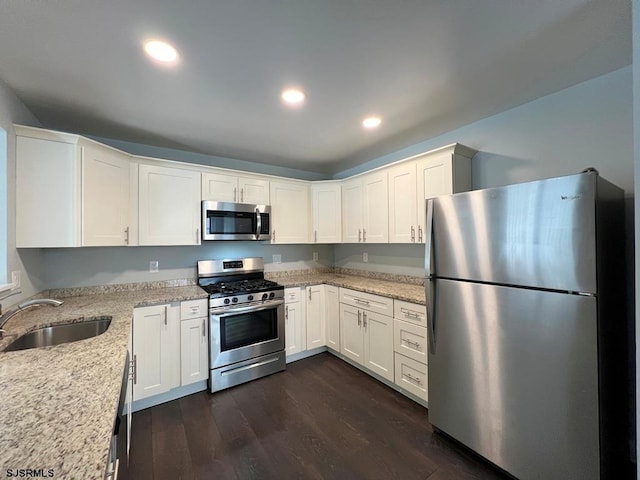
(306, 354)
(172, 394)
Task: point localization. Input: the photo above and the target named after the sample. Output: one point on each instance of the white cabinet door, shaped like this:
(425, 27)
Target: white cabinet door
(351, 333)
(295, 334)
(378, 343)
(375, 224)
(289, 212)
(155, 350)
(169, 207)
(105, 196)
(352, 211)
(332, 316)
(253, 190)
(326, 216)
(219, 187)
(403, 217)
(194, 352)
(316, 329)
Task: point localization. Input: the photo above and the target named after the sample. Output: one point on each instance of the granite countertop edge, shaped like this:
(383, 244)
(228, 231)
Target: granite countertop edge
(60, 402)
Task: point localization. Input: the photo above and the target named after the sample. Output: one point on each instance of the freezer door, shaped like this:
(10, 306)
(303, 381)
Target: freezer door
(515, 378)
(537, 234)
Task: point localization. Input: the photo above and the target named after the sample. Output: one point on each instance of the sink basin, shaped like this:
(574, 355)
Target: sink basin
(57, 334)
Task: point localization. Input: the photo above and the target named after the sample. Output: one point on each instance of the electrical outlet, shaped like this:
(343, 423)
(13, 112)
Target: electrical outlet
(365, 257)
(153, 266)
(15, 279)
(277, 258)
(315, 256)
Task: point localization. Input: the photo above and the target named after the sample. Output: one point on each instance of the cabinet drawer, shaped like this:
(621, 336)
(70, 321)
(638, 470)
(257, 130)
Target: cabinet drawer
(367, 301)
(292, 294)
(193, 309)
(410, 340)
(411, 375)
(410, 312)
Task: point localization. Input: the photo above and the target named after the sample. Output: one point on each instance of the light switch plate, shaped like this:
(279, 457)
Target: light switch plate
(153, 266)
(15, 279)
(277, 258)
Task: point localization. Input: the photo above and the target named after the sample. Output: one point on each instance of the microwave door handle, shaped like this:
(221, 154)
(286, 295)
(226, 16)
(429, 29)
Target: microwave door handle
(258, 223)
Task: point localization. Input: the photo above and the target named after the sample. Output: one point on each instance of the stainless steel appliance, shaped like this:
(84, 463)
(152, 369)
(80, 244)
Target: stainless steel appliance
(235, 221)
(246, 321)
(525, 301)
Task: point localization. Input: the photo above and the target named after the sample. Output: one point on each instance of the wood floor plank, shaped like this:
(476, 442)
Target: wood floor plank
(320, 419)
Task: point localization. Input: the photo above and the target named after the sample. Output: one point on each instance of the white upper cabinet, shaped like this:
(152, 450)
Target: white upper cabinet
(289, 212)
(403, 216)
(442, 172)
(326, 213)
(70, 191)
(365, 210)
(231, 188)
(169, 206)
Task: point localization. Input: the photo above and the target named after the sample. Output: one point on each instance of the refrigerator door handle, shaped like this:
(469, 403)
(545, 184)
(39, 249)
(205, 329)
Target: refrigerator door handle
(429, 282)
(430, 287)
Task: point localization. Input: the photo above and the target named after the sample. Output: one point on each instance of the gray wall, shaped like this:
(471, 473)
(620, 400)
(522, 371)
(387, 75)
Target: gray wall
(29, 263)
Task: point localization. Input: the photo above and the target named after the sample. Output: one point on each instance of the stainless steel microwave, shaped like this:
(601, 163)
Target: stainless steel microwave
(235, 221)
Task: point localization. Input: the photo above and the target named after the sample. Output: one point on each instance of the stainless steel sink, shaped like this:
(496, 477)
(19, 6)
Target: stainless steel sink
(57, 334)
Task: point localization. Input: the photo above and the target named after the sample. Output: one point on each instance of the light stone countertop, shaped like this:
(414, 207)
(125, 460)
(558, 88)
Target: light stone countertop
(394, 289)
(58, 404)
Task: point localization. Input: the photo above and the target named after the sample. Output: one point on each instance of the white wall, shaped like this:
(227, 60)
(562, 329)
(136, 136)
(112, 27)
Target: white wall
(29, 263)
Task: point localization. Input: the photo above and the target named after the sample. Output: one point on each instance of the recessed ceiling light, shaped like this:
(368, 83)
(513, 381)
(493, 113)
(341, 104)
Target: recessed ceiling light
(161, 51)
(371, 122)
(293, 96)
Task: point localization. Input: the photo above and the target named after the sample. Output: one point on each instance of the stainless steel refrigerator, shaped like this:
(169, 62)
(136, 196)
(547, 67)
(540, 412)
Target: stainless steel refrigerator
(526, 319)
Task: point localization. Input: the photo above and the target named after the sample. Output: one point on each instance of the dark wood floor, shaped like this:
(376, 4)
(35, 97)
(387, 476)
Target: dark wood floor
(321, 419)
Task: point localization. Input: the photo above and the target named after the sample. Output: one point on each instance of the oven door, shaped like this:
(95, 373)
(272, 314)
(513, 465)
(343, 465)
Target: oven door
(241, 333)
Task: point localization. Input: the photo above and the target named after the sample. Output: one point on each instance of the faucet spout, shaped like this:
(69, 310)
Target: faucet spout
(23, 306)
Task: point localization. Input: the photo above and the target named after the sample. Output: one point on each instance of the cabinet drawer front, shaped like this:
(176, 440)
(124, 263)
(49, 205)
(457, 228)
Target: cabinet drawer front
(411, 375)
(410, 340)
(193, 309)
(292, 294)
(367, 301)
(410, 312)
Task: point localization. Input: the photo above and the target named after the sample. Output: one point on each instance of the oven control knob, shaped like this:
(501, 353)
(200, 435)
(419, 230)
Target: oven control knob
(271, 295)
(264, 296)
(250, 297)
(234, 299)
(226, 301)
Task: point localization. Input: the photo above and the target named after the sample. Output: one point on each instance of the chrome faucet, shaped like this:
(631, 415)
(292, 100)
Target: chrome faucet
(23, 306)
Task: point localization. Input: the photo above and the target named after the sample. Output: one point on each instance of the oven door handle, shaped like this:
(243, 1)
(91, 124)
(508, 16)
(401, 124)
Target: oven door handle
(252, 308)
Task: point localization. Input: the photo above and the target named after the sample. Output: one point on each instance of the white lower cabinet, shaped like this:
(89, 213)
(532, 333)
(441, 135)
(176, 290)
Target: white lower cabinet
(366, 334)
(156, 334)
(295, 322)
(194, 342)
(316, 314)
(410, 344)
(332, 316)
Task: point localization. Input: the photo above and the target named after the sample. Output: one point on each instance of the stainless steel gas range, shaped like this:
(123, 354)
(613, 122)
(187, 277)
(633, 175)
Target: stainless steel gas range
(246, 321)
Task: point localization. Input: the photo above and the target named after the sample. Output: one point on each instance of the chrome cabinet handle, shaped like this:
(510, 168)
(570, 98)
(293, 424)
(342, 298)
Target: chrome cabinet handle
(315, 236)
(286, 312)
(359, 235)
(413, 234)
(204, 332)
(413, 379)
(126, 236)
(410, 342)
(241, 195)
(273, 236)
(409, 313)
(359, 321)
(359, 300)
(419, 233)
(166, 314)
(364, 235)
(235, 197)
(364, 319)
(309, 293)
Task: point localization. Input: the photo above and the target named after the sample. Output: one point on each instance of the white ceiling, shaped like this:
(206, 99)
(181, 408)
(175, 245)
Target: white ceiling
(425, 66)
